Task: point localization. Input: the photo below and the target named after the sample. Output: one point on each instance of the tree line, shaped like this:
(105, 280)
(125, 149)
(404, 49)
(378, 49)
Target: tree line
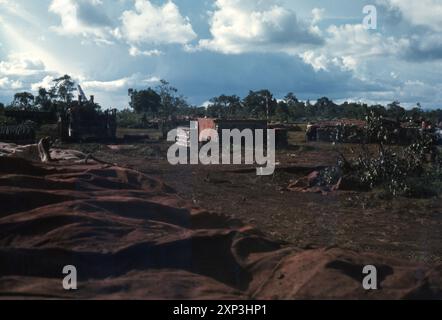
(165, 102)
(55, 98)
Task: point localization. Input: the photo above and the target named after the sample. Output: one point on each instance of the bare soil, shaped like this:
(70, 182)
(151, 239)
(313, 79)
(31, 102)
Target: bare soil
(362, 221)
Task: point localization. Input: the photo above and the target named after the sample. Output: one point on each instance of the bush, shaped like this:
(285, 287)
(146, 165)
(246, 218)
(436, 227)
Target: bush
(129, 119)
(407, 172)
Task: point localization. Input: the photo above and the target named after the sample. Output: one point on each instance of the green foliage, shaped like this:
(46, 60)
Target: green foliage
(396, 111)
(296, 109)
(145, 101)
(163, 101)
(129, 119)
(44, 100)
(63, 89)
(23, 100)
(376, 130)
(54, 99)
(392, 169)
(171, 101)
(225, 107)
(260, 104)
(282, 112)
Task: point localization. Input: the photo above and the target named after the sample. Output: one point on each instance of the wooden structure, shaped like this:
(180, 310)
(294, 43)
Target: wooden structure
(219, 125)
(82, 122)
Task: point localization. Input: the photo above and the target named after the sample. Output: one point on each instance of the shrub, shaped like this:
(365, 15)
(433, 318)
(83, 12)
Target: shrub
(129, 119)
(399, 172)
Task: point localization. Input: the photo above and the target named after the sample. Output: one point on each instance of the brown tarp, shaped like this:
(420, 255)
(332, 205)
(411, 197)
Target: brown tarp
(130, 236)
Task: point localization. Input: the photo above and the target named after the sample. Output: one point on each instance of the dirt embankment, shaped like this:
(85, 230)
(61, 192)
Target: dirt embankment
(131, 236)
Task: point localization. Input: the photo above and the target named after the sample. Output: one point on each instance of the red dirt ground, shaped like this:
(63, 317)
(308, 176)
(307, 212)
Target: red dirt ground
(132, 236)
(405, 228)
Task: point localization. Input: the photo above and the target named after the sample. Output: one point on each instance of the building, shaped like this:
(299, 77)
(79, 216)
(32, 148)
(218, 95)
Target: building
(219, 125)
(345, 130)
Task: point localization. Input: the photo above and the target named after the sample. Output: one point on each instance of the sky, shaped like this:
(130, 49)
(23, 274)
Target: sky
(206, 48)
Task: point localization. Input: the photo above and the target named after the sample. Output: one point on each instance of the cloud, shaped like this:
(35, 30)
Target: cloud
(135, 52)
(84, 18)
(350, 45)
(423, 48)
(239, 26)
(109, 93)
(419, 23)
(21, 65)
(46, 82)
(318, 14)
(119, 84)
(9, 6)
(22, 71)
(147, 23)
(318, 61)
(113, 93)
(7, 84)
(297, 46)
(409, 93)
(426, 13)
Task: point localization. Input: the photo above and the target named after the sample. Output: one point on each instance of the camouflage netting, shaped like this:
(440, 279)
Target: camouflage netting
(23, 132)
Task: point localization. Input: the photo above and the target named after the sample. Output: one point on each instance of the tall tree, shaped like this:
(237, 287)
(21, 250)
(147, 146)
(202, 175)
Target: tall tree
(290, 99)
(225, 106)
(396, 111)
(64, 88)
(260, 104)
(145, 101)
(43, 100)
(282, 111)
(296, 108)
(23, 100)
(171, 101)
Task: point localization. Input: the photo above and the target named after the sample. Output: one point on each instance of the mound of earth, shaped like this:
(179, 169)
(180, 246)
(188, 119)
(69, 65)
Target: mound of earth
(130, 236)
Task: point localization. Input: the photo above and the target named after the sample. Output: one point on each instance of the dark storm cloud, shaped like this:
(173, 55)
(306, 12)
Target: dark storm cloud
(92, 15)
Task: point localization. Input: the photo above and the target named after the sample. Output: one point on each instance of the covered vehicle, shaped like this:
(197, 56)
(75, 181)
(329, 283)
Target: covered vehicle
(84, 121)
